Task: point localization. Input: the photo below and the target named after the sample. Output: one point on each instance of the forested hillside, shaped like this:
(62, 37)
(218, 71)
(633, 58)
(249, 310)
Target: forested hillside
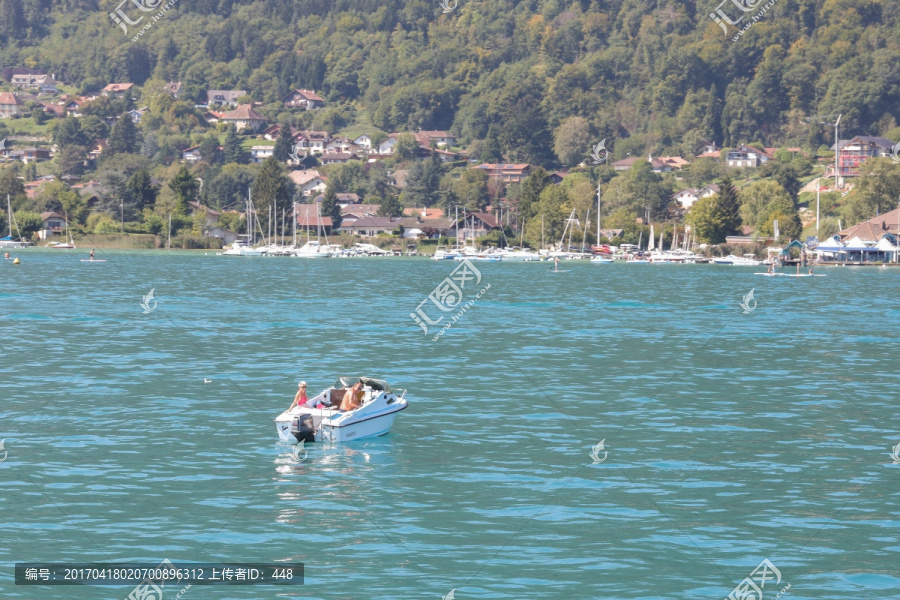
(651, 76)
(536, 82)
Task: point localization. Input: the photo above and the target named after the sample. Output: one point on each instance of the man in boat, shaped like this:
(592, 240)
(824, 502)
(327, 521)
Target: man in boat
(353, 398)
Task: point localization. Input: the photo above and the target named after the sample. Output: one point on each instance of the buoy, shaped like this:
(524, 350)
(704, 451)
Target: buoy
(16, 261)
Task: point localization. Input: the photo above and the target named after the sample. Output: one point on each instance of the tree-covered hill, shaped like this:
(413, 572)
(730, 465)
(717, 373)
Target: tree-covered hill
(649, 75)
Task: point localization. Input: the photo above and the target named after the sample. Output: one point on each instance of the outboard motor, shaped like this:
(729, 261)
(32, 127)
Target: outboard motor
(302, 428)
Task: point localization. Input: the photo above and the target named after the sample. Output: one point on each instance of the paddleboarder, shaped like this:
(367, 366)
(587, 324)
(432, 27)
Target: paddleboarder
(556, 264)
(92, 254)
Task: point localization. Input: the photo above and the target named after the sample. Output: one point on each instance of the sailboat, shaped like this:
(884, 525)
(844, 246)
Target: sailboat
(314, 249)
(8, 241)
(245, 247)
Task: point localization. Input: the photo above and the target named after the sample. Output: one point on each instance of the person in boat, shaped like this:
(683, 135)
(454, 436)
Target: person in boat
(353, 398)
(300, 397)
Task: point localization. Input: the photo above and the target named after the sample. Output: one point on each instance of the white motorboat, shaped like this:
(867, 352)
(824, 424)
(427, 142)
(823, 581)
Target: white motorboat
(375, 417)
(602, 260)
(365, 249)
(243, 248)
(747, 260)
(442, 254)
(313, 249)
(510, 255)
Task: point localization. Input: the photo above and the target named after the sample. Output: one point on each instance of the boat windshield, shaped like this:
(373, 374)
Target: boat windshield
(375, 384)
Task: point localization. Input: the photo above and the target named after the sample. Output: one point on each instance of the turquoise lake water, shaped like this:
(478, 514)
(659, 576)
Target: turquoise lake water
(729, 437)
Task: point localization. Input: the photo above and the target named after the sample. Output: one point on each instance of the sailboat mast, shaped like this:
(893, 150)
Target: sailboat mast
(598, 212)
(584, 231)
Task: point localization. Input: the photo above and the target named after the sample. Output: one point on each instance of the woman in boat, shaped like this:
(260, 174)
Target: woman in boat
(300, 397)
(353, 398)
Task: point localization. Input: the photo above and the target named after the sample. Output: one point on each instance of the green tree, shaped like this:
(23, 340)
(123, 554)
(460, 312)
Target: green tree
(472, 190)
(731, 206)
(390, 207)
(782, 210)
(233, 150)
(12, 186)
(756, 197)
(572, 140)
(141, 189)
(708, 218)
(185, 187)
(530, 192)
(490, 149)
(406, 148)
(209, 150)
(876, 192)
(271, 188)
(330, 206)
(67, 132)
(28, 222)
(123, 139)
(284, 145)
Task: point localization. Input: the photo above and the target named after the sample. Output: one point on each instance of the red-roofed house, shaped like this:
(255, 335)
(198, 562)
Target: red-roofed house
(306, 99)
(370, 226)
(439, 138)
(117, 89)
(424, 213)
(309, 218)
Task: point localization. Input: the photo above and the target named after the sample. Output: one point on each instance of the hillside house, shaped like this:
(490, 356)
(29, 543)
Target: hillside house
(305, 99)
(336, 158)
(363, 141)
(212, 216)
(244, 117)
(309, 182)
(746, 157)
(508, 173)
(260, 153)
(98, 147)
(10, 105)
(687, 197)
(223, 98)
(117, 90)
(191, 155)
(438, 138)
(854, 152)
(42, 84)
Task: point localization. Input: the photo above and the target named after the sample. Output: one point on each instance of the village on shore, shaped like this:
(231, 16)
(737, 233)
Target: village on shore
(408, 192)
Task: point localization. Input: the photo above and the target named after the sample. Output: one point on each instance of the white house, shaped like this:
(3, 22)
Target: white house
(387, 146)
(363, 141)
(10, 105)
(687, 197)
(191, 154)
(260, 153)
(746, 157)
(309, 182)
(244, 117)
